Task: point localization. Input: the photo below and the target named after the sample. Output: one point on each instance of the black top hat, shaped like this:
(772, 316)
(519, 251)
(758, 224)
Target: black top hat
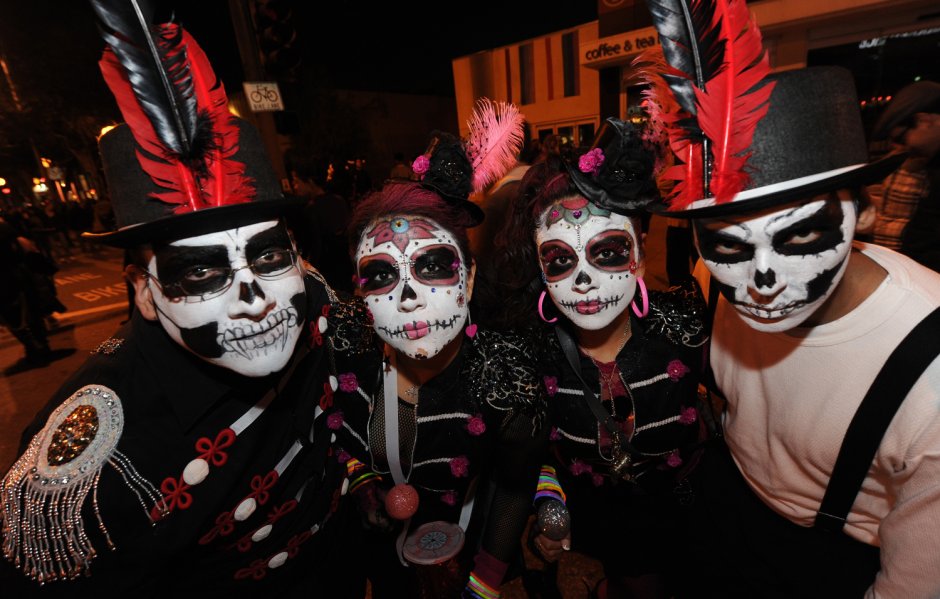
(811, 141)
(616, 172)
(142, 218)
(183, 165)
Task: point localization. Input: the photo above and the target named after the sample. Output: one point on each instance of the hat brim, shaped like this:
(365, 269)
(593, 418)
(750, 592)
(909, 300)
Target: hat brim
(782, 193)
(200, 222)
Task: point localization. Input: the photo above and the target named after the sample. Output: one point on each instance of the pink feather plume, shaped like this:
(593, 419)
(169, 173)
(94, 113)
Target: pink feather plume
(494, 141)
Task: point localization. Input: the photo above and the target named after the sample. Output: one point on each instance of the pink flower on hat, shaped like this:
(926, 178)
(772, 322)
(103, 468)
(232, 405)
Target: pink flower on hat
(450, 498)
(343, 456)
(578, 467)
(554, 435)
(591, 161)
(688, 415)
(597, 479)
(421, 165)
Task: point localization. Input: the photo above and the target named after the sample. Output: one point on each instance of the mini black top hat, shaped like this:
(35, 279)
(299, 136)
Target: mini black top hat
(453, 168)
(182, 165)
(616, 172)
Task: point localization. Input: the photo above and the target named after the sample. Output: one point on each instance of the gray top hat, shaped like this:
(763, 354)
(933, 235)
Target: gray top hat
(811, 141)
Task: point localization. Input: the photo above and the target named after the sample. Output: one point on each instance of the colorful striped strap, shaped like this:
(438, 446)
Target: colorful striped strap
(548, 486)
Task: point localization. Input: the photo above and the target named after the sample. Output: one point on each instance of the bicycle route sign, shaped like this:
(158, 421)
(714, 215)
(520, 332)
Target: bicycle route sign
(263, 96)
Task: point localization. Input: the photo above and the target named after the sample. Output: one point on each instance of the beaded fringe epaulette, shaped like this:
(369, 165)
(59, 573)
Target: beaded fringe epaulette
(45, 491)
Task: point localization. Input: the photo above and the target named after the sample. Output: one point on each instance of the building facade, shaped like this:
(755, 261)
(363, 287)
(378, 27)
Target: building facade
(567, 81)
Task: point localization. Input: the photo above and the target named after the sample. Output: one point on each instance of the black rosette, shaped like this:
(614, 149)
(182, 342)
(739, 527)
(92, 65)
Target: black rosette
(624, 181)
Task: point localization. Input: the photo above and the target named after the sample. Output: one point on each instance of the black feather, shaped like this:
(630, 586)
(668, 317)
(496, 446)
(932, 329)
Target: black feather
(156, 68)
(690, 44)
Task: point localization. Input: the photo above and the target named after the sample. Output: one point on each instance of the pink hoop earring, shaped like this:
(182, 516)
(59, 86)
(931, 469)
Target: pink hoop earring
(541, 313)
(644, 297)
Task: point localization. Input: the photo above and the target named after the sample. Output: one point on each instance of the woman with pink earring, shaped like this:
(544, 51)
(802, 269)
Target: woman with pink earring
(622, 382)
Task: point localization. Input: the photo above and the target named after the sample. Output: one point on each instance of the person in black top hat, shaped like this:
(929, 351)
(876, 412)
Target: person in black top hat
(187, 456)
(828, 483)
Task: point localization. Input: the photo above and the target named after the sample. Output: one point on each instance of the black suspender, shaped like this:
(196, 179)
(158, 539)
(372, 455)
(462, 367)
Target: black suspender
(904, 366)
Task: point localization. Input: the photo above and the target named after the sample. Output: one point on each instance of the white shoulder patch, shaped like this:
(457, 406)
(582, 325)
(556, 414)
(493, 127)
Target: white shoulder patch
(44, 491)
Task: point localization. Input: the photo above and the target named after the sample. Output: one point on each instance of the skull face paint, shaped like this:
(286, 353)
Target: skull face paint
(589, 259)
(234, 298)
(415, 281)
(777, 267)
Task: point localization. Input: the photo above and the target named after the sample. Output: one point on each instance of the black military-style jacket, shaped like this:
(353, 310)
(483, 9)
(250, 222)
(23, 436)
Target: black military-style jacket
(154, 472)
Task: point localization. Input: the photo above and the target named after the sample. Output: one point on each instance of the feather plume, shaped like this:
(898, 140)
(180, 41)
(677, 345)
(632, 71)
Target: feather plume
(175, 106)
(494, 141)
(717, 63)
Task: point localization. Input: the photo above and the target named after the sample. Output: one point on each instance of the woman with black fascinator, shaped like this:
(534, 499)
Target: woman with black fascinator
(441, 424)
(620, 363)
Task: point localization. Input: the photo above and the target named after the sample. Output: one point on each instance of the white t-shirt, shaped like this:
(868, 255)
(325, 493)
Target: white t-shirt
(792, 395)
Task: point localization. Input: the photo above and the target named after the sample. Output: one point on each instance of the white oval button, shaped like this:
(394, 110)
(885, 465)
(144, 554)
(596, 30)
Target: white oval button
(262, 533)
(195, 472)
(245, 509)
(278, 560)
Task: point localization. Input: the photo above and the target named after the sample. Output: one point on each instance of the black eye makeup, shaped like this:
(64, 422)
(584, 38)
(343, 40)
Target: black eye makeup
(610, 250)
(436, 265)
(558, 259)
(717, 246)
(267, 241)
(380, 273)
(193, 263)
(817, 233)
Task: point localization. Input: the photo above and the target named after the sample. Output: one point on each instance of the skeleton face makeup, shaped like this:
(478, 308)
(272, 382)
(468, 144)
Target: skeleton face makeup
(589, 259)
(778, 267)
(234, 298)
(415, 281)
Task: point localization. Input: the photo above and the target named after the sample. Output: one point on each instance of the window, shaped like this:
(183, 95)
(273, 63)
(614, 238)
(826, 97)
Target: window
(566, 136)
(526, 74)
(585, 133)
(570, 67)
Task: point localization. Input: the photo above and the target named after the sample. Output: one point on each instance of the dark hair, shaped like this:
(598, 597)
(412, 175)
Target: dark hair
(518, 281)
(409, 197)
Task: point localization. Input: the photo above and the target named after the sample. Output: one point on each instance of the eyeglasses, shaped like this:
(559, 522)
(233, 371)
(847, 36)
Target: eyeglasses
(207, 282)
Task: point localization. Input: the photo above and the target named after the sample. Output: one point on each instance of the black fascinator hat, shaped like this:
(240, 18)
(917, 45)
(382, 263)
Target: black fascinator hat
(617, 172)
(454, 168)
(445, 169)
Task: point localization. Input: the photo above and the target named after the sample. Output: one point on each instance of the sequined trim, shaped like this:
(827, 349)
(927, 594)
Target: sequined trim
(108, 346)
(44, 492)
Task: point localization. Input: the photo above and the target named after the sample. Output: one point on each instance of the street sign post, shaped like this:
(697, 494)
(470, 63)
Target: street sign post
(263, 96)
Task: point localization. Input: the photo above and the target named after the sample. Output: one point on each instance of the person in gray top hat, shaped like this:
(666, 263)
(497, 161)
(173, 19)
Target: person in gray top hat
(827, 482)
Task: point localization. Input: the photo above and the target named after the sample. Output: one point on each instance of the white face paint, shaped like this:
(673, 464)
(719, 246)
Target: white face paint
(414, 278)
(777, 267)
(589, 259)
(250, 327)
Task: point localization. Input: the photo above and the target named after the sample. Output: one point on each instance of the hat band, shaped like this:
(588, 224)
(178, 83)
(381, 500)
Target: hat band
(776, 187)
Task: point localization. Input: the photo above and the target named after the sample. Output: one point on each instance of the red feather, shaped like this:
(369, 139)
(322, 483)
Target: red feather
(208, 179)
(728, 111)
